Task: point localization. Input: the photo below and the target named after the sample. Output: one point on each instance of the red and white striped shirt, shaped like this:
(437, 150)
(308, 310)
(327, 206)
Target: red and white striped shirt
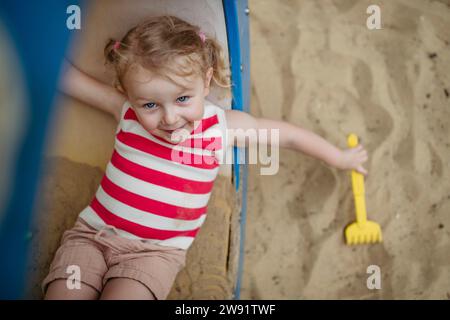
(157, 191)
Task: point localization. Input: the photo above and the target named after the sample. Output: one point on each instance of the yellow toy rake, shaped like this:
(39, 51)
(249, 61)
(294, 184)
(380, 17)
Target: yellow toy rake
(362, 231)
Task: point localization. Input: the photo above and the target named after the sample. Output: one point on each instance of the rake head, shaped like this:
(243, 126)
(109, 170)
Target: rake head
(363, 233)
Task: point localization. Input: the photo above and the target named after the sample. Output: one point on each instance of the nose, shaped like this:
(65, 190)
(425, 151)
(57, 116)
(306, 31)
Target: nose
(170, 116)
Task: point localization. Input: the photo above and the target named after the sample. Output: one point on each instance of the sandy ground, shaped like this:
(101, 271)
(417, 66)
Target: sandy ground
(315, 64)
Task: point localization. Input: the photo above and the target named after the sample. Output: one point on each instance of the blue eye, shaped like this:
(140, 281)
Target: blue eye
(183, 99)
(149, 105)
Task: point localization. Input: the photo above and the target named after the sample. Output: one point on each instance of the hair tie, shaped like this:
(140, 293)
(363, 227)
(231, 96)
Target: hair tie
(116, 45)
(202, 36)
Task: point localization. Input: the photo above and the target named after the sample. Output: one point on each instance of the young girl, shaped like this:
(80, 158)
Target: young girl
(131, 241)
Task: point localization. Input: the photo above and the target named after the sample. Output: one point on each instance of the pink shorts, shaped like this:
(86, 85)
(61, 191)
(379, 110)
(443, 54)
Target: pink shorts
(102, 255)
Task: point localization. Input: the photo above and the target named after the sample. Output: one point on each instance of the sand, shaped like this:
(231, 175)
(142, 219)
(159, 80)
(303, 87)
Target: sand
(316, 65)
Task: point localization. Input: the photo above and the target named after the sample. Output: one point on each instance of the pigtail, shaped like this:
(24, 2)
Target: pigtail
(115, 53)
(221, 73)
(109, 52)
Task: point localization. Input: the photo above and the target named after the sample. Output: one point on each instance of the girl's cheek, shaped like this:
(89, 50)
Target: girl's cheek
(147, 123)
(196, 111)
(150, 125)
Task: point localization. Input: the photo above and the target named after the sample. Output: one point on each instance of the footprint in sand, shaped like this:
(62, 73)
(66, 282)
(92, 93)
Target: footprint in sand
(378, 120)
(405, 152)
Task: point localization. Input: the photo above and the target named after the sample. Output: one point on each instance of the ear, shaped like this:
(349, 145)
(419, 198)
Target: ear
(208, 78)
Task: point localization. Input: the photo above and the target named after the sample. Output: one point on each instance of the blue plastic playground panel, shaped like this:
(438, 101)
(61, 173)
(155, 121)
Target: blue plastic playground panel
(39, 37)
(236, 17)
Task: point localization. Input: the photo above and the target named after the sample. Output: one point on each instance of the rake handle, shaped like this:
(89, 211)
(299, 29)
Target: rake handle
(358, 186)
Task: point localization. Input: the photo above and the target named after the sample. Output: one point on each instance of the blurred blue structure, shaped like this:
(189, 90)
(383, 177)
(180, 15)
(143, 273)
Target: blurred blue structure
(40, 38)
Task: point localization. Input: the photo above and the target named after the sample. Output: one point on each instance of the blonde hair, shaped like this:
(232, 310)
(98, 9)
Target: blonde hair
(168, 45)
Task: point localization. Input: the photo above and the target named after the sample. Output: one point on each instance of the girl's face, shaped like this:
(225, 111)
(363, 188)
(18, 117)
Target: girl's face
(162, 105)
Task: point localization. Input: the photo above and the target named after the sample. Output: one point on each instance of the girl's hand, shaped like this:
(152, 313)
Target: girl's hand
(353, 158)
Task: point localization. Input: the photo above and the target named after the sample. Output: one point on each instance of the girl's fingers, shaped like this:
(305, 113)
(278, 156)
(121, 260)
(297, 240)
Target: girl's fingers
(360, 150)
(361, 169)
(362, 157)
(363, 153)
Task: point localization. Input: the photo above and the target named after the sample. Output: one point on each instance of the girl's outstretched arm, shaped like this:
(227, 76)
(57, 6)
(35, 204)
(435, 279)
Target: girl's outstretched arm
(81, 86)
(245, 132)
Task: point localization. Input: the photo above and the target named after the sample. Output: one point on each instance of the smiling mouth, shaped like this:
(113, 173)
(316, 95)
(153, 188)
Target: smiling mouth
(171, 131)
